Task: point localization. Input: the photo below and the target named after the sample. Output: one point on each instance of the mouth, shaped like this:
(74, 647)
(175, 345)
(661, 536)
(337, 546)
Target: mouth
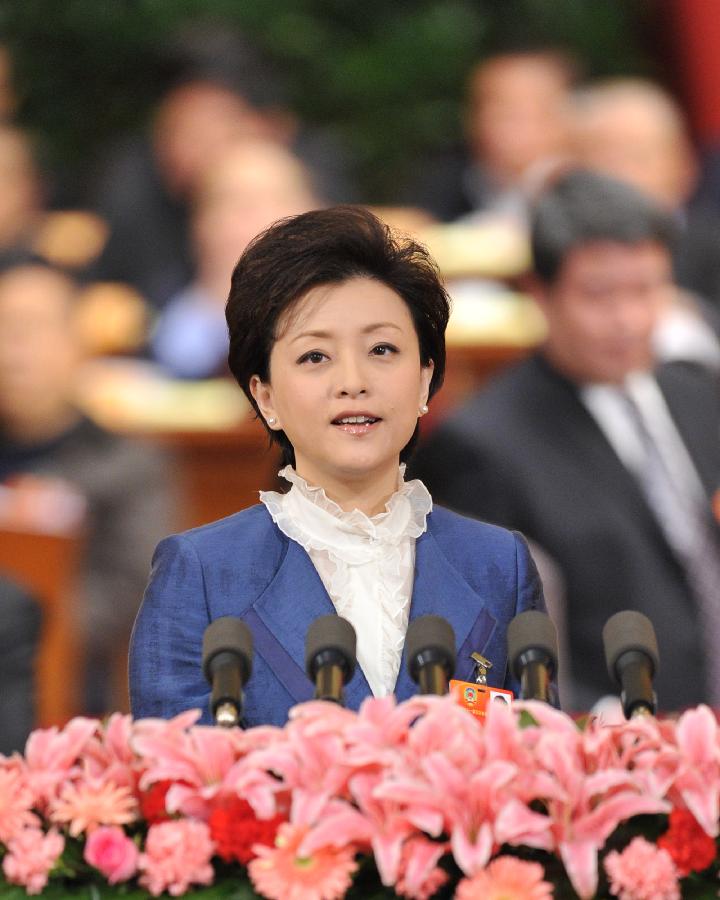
(360, 423)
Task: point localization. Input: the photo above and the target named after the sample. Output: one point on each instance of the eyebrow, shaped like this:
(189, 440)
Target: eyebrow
(326, 335)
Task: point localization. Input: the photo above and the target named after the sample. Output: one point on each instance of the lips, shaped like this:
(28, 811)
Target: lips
(356, 423)
(356, 419)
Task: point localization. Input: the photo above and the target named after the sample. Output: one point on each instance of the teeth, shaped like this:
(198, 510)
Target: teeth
(355, 420)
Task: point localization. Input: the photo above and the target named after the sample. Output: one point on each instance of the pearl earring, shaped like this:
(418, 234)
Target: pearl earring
(423, 409)
(272, 420)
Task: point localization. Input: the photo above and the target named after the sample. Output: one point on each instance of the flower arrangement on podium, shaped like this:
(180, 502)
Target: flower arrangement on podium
(416, 800)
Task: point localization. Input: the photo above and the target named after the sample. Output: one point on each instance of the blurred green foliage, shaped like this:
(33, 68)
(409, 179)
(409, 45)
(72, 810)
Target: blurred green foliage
(387, 76)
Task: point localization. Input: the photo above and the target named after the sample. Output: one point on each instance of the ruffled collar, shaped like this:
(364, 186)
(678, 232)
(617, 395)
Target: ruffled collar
(306, 514)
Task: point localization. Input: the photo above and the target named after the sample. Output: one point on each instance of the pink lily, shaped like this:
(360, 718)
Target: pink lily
(52, 755)
(698, 777)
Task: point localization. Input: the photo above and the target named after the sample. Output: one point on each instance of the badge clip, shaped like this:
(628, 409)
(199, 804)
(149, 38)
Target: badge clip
(482, 666)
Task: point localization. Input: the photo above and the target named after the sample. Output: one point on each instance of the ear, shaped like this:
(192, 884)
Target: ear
(263, 395)
(426, 374)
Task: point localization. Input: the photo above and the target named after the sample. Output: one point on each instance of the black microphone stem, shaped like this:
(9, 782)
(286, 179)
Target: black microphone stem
(637, 685)
(432, 679)
(227, 685)
(329, 684)
(535, 681)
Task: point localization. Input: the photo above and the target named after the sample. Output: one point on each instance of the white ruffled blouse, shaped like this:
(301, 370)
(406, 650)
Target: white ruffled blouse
(366, 564)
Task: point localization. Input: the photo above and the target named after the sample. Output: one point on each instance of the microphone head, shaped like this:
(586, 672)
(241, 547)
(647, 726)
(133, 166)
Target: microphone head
(334, 638)
(430, 639)
(629, 630)
(532, 630)
(227, 634)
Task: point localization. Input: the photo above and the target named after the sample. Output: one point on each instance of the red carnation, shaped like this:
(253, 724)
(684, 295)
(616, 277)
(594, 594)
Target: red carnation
(691, 849)
(152, 802)
(235, 829)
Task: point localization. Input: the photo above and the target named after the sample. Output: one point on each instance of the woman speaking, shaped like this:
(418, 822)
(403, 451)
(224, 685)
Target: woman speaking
(337, 336)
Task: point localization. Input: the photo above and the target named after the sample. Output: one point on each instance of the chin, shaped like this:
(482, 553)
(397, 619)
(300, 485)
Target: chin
(360, 468)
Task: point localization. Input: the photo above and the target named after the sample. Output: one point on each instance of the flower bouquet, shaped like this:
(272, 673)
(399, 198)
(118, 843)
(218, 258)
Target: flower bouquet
(418, 800)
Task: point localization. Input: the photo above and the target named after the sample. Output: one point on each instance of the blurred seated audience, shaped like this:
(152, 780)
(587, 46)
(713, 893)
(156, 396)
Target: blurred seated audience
(124, 484)
(517, 119)
(244, 191)
(631, 129)
(20, 192)
(217, 90)
(20, 620)
(71, 238)
(610, 465)
(8, 94)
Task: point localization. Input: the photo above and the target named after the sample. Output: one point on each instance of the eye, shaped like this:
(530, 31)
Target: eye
(312, 356)
(383, 350)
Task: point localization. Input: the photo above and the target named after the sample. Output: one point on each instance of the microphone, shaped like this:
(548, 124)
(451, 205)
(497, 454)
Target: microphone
(430, 650)
(631, 654)
(330, 656)
(227, 663)
(533, 653)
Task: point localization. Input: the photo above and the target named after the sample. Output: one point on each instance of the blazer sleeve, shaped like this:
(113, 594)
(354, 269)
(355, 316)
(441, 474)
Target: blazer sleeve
(166, 646)
(529, 587)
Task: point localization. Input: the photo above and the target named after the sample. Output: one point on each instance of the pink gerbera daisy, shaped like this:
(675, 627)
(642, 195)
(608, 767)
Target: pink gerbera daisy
(280, 873)
(93, 802)
(506, 878)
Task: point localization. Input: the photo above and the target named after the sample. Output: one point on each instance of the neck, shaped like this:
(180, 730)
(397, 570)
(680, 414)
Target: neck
(370, 495)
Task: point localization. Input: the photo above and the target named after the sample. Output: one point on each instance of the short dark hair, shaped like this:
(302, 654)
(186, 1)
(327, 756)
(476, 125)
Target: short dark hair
(328, 246)
(582, 207)
(210, 51)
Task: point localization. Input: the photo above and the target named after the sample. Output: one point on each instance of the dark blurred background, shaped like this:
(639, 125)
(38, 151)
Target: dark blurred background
(144, 143)
(385, 79)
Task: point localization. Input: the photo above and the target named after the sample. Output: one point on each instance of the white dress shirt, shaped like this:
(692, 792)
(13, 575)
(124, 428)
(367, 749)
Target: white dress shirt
(367, 564)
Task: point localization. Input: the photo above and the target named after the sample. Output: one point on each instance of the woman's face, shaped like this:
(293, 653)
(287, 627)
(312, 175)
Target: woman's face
(346, 384)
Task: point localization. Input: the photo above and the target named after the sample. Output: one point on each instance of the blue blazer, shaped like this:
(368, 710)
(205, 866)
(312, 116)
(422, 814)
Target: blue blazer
(476, 575)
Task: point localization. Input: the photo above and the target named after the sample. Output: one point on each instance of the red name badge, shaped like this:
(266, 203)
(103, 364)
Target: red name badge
(476, 697)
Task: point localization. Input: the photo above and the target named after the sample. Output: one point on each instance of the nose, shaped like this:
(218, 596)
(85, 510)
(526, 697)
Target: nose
(351, 377)
(634, 315)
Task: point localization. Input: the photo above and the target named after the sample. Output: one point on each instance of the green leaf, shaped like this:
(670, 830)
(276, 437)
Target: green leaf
(226, 889)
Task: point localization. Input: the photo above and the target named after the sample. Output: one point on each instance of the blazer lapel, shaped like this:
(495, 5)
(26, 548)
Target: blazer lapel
(280, 618)
(440, 590)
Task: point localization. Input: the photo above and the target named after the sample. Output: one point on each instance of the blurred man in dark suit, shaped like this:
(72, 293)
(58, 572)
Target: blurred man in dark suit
(610, 466)
(19, 636)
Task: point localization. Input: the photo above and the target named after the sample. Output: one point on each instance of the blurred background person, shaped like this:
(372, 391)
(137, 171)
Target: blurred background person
(70, 238)
(20, 622)
(246, 189)
(8, 95)
(516, 122)
(605, 462)
(43, 434)
(219, 90)
(633, 130)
